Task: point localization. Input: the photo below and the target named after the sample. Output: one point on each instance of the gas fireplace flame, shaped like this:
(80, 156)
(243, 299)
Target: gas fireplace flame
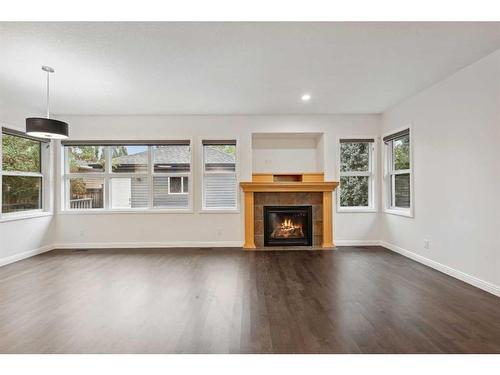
(287, 229)
(288, 224)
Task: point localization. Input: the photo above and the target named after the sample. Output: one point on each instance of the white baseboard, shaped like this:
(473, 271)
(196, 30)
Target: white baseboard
(149, 245)
(469, 279)
(26, 254)
(356, 242)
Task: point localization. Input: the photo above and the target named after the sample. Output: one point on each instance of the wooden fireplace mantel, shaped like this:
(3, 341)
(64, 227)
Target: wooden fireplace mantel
(288, 183)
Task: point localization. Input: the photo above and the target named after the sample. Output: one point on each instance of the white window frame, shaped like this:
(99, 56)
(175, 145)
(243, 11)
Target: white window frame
(108, 175)
(105, 175)
(44, 174)
(371, 174)
(389, 172)
(168, 175)
(205, 209)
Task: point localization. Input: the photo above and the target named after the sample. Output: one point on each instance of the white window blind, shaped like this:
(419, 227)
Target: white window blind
(219, 176)
(220, 191)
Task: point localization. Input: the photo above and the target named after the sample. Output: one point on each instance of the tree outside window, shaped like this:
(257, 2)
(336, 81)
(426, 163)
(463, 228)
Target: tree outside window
(355, 173)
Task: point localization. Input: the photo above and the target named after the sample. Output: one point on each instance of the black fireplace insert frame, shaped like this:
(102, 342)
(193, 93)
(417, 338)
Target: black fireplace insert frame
(306, 241)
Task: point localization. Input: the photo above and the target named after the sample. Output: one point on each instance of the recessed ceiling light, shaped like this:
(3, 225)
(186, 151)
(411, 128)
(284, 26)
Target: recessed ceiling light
(306, 97)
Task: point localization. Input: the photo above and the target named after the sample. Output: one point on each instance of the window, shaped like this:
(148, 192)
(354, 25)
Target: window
(398, 172)
(356, 190)
(22, 172)
(219, 175)
(172, 168)
(177, 185)
(127, 175)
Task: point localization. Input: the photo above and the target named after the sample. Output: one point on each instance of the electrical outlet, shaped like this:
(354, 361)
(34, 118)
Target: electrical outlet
(426, 244)
(82, 233)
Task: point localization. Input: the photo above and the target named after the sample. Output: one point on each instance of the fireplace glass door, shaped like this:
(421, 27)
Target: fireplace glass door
(287, 225)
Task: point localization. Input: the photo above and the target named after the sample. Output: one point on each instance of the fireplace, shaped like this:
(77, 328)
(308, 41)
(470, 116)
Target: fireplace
(288, 226)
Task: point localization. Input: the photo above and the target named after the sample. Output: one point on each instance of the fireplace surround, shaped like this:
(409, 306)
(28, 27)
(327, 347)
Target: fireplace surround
(273, 189)
(288, 226)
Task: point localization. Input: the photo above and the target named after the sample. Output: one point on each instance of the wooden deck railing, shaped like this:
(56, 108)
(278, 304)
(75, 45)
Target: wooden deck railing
(82, 203)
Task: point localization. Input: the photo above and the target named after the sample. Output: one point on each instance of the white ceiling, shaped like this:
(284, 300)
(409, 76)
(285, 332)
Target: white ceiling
(232, 68)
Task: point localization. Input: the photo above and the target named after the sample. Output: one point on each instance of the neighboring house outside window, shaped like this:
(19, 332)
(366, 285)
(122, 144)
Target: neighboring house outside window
(22, 173)
(219, 175)
(356, 189)
(128, 176)
(172, 169)
(398, 176)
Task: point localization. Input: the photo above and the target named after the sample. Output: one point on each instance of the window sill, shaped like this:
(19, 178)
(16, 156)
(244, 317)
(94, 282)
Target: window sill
(351, 210)
(126, 211)
(14, 217)
(219, 211)
(403, 212)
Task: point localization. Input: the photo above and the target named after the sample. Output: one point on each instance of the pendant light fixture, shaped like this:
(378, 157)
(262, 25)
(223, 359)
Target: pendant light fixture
(46, 127)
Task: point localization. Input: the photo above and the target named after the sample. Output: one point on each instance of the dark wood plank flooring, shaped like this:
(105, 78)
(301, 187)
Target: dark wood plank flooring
(353, 300)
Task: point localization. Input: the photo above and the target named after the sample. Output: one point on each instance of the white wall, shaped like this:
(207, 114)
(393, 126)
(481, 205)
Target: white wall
(286, 152)
(456, 154)
(197, 228)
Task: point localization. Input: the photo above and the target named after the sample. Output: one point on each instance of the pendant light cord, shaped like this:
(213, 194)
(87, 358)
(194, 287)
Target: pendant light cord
(48, 102)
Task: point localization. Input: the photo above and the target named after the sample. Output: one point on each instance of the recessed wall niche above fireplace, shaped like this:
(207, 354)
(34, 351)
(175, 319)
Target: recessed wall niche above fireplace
(288, 226)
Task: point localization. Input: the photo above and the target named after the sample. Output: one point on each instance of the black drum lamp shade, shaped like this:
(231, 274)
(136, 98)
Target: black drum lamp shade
(46, 127)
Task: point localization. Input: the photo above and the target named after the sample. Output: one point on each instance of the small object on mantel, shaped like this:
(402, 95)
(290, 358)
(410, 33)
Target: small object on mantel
(289, 183)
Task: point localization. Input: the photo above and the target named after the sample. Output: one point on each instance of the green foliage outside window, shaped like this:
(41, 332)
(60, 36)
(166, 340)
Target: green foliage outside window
(354, 191)
(228, 149)
(86, 159)
(401, 153)
(20, 193)
(354, 157)
(20, 154)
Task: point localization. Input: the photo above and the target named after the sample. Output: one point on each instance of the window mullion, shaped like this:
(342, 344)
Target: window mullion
(89, 175)
(150, 177)
(356, 174)
(402, 171)
(107, 180)
(393, 191)
(22, 174)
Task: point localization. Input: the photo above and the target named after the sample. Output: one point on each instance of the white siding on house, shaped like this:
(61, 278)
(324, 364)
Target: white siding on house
(161, 197)
(140, 192)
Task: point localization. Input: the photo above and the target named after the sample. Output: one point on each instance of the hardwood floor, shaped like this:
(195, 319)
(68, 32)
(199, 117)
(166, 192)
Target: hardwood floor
(354, 300)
